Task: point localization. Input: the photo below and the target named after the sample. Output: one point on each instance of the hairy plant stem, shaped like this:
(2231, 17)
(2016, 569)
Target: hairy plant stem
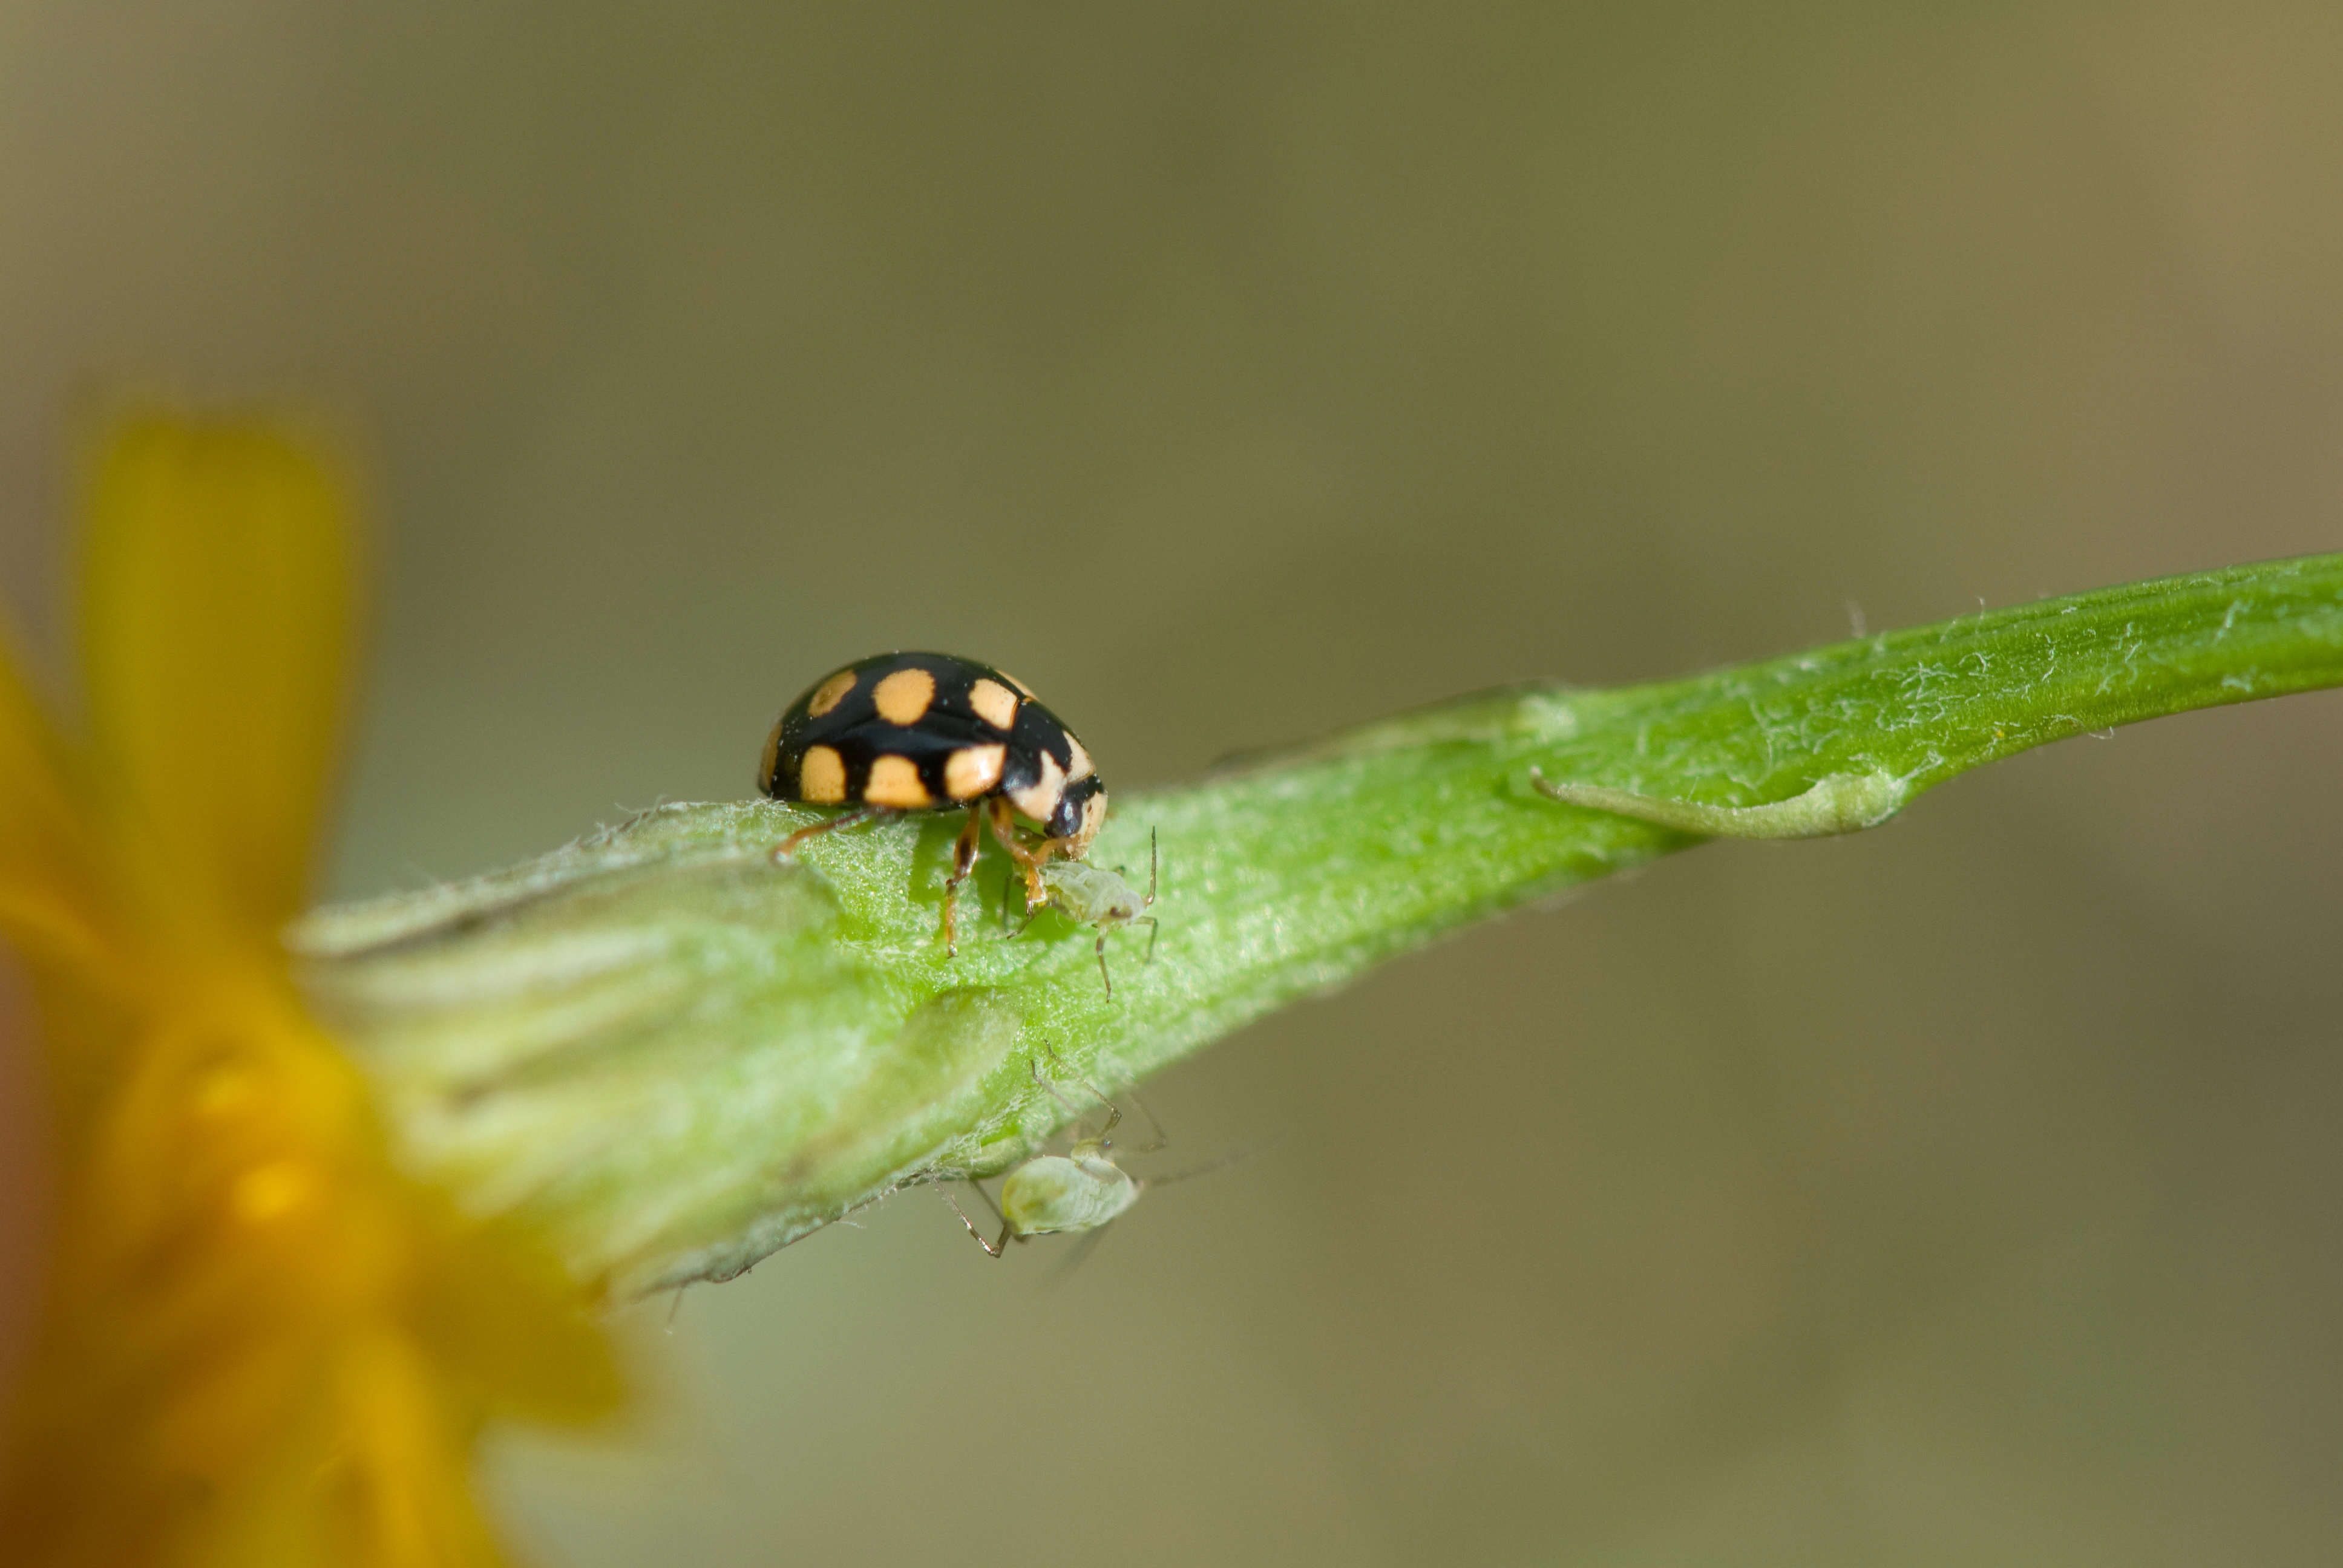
(677, 1054)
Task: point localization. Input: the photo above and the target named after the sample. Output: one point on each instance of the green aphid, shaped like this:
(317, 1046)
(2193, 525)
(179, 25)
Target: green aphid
(1094, 896)
(1081, 1190)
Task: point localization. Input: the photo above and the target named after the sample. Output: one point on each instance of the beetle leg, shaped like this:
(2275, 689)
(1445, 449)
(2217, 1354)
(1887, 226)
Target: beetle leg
(789, 846)
(963, 861)
(1004, 828)
(1050, 847)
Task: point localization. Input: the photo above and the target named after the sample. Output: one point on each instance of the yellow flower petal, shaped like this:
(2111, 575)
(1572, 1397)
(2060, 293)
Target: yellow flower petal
(261, 1344)
(219, 629)
(503, 1321)
(46, 903)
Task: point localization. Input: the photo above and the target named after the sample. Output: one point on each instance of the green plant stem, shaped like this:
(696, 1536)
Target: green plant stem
(677, 1054)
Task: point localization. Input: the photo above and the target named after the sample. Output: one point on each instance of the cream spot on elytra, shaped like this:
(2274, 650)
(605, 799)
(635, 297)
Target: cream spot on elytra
(994, 703)
(895, 781)
(974, 769)
(903, 696)
(821, 777)
(830, 693)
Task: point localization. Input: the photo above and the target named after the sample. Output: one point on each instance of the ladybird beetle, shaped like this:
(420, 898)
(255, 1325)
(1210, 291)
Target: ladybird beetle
(902, 732)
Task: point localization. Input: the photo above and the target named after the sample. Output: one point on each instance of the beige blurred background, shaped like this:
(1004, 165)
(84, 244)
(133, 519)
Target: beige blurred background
(1968, 1192)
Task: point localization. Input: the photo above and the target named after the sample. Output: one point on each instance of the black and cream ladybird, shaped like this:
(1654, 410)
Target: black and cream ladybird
(934, 732)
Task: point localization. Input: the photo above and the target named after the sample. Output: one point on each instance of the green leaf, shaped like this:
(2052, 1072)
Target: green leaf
(678, 1054)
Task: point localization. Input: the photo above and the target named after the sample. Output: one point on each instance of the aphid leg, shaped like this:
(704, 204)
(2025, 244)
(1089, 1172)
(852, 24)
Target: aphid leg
(992, 1208)
(1060, 1065)
(1114, 1113)
(1100, 1096)
(963, 861)
(1151, 881)
(1147, 920)
(1063, 1103)
(1104, 1138)
(993, 1249)
(1163, 1139)
(789, 846)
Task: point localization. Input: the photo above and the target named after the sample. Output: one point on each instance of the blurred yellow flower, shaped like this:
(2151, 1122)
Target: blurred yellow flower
(259, 1343)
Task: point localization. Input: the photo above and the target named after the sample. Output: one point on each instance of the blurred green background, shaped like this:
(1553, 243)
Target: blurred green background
(1965, 1192)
